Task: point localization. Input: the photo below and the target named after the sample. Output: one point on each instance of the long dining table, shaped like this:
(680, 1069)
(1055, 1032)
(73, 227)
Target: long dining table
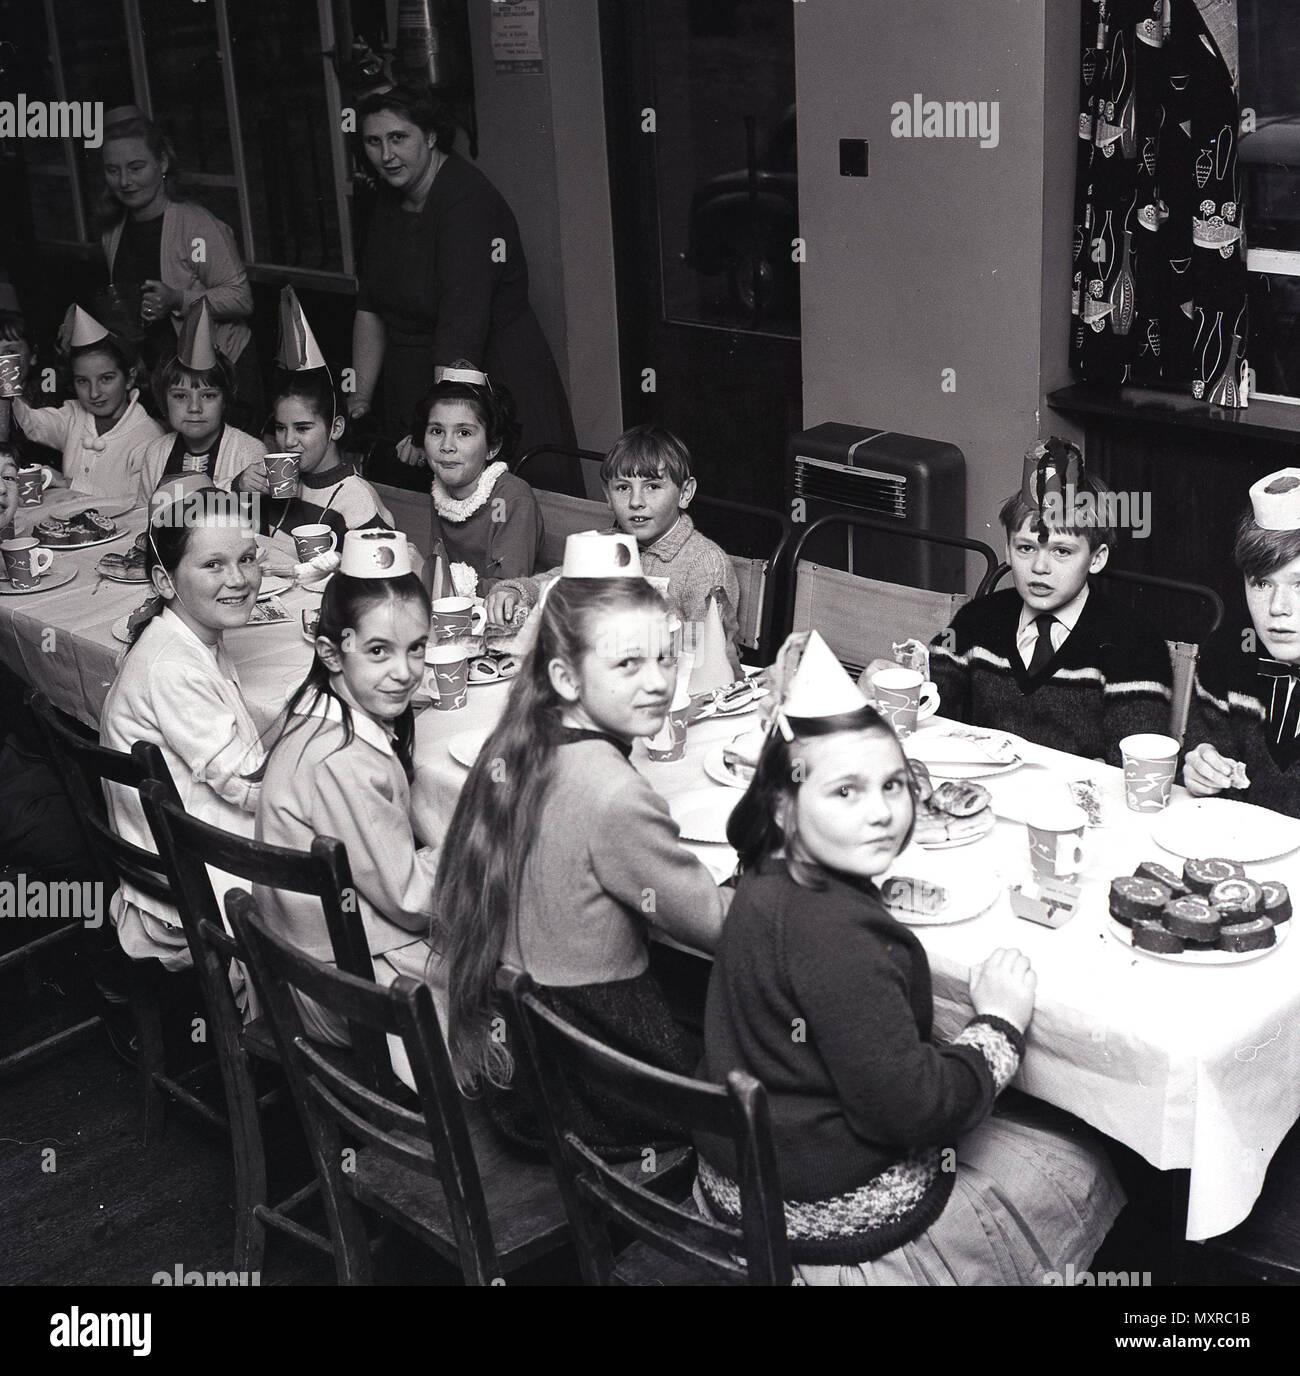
(1195, 1069)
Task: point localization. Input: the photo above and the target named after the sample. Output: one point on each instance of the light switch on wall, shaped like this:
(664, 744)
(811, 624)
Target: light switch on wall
(853, 157)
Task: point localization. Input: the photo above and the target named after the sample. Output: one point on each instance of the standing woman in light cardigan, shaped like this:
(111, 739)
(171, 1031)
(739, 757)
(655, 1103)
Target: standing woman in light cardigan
(160, 241)
(443, 277)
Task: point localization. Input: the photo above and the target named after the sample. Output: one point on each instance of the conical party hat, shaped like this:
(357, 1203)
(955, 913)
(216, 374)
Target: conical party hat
(712, 669)
(195, 348)
(298, 348)
(79, 328)
(440, 584)
(820, 687)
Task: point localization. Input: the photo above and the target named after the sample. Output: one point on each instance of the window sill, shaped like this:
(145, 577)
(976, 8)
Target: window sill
(1263, 420)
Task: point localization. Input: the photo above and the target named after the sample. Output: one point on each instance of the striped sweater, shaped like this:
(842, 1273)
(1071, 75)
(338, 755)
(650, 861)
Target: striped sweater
(1109, 678)
(1229, 708)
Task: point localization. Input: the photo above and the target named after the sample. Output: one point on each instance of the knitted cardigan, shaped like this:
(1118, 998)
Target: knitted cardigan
(826, 1000)
(1110, 678)
(1229, 710)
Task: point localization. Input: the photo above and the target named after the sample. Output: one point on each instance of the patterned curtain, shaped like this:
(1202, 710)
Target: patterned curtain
(1159, 285)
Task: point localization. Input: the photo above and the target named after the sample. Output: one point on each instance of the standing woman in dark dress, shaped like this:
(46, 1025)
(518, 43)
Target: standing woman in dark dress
(443, 278)
(166, 251)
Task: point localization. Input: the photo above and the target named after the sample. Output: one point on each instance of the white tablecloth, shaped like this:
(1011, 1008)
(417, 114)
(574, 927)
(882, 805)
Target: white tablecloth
(1192, 1068)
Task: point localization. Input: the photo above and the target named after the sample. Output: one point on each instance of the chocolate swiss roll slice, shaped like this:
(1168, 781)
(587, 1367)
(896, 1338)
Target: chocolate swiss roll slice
(1149, 935)
(1277, 902)
(1194, 919)
(1132, 898)
(1202, 875)
(1149, 869)
(1254, 935)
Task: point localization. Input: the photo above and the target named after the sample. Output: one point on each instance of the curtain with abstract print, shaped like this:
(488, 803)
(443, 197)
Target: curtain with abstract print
(1159, 273)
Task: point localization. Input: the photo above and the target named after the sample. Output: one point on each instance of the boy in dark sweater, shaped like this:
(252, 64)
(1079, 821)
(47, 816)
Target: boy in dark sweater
(1053, 660)
(1245, 714)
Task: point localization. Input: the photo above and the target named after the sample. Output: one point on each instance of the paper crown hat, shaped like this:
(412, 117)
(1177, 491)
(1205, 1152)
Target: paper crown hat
(1276, 500)
(298, 348)
(80, 328)
(819, 686)
(591, 554)
(375, 554)
(195, 348)
(469, 375)
(1050, 467)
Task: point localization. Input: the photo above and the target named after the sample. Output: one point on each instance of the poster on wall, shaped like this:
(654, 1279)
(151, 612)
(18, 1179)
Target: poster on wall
(517, 39)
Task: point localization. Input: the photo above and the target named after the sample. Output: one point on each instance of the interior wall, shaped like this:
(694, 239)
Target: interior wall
(542, 144)
(935, 261)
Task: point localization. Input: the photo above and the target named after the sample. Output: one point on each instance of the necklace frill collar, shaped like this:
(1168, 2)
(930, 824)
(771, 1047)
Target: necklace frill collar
(451, 508)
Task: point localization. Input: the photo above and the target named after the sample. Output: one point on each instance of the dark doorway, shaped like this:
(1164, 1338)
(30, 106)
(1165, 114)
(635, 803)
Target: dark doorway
(700, 109)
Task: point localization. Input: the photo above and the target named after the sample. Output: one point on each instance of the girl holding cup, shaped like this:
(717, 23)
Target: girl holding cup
(342, 765)
(895, 1167)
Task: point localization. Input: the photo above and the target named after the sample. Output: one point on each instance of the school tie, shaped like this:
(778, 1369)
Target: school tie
(1283, 724)
(1043, 650)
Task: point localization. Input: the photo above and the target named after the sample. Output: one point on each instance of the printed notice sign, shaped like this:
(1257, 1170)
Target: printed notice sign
(517, 38)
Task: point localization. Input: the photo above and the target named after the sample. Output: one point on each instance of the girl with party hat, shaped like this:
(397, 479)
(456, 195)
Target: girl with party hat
(560, 855)
(102, 430)
(342, 765)
(894, 1165)
(194, 389)
(1243, 728)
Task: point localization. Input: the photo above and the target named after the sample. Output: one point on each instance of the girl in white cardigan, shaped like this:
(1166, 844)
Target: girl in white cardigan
(178, 688)
(342, 767)
(101, 431)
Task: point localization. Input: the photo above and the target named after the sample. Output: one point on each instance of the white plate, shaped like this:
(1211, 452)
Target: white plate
(718, 772)
(1020, 795)
(55, 578)
(464, 747)
(953, 751)
(272, 586)
(501, 677)
(1203, 828)
(970, 891)
(1117, 931)
(701, 815)
(118, 534)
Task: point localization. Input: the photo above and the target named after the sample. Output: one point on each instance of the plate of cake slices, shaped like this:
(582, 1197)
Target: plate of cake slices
(1196, 827)
(702, 815)
(1209, 913)
(953, 751)
(77, 529)
(734, 762)
(125, 568)
(925, 890)
(492, 668)
(732, 700)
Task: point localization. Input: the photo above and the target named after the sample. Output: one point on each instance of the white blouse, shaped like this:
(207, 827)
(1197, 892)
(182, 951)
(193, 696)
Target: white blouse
(104, 465)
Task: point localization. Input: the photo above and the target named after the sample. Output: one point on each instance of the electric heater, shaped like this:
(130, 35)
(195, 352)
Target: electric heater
(916, 483)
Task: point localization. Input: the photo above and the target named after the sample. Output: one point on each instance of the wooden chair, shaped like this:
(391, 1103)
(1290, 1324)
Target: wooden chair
(440, 1172)
(1183, 654)
(861, 618)
(188, 847)
(676, 1245)
(85, 767)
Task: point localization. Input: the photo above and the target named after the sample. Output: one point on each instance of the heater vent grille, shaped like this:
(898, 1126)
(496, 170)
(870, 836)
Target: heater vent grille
(863, 489)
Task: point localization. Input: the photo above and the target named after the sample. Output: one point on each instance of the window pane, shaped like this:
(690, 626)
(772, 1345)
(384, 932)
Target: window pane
(1274, 351)
(286, 133)
(1270, 100)
(189, 101)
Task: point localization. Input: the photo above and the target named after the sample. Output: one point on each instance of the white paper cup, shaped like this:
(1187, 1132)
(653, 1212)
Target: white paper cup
(904, 698)
(1056, 849)
(1150, 763)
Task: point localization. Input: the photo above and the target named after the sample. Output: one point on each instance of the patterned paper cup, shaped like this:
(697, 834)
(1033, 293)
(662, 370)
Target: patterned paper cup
(446, 679)
(1150, 763)
(25, 560)
(282, 473)
(32, 482)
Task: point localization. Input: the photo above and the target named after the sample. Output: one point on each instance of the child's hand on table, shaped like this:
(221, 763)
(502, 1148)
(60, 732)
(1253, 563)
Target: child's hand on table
(1003, 987)
(1206, 772)
(500, 607)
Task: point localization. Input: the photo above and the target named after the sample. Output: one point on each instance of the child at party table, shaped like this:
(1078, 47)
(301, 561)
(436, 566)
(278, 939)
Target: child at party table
(486, 518)
(194, 389)
(101, 430)
(1243, 729)
(870, 1113)
(178, 687)
(649, 484)
(342, 765)
(1053, 659)
(560, 855)
(10, 461)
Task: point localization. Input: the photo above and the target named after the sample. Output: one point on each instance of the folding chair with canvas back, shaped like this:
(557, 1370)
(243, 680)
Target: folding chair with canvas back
(675, 1246)
(862, 618)
(411, 514)
(188, 847)
(756, 561)
(563, 516)
(441, 1172)
(1183, 654)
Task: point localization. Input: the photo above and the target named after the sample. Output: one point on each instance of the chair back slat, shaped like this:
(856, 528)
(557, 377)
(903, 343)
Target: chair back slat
(562, 516)
(551, 1050)
(190, 846)
(333, 1102)
(412, 513)
(85, 767)
(577, 471)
